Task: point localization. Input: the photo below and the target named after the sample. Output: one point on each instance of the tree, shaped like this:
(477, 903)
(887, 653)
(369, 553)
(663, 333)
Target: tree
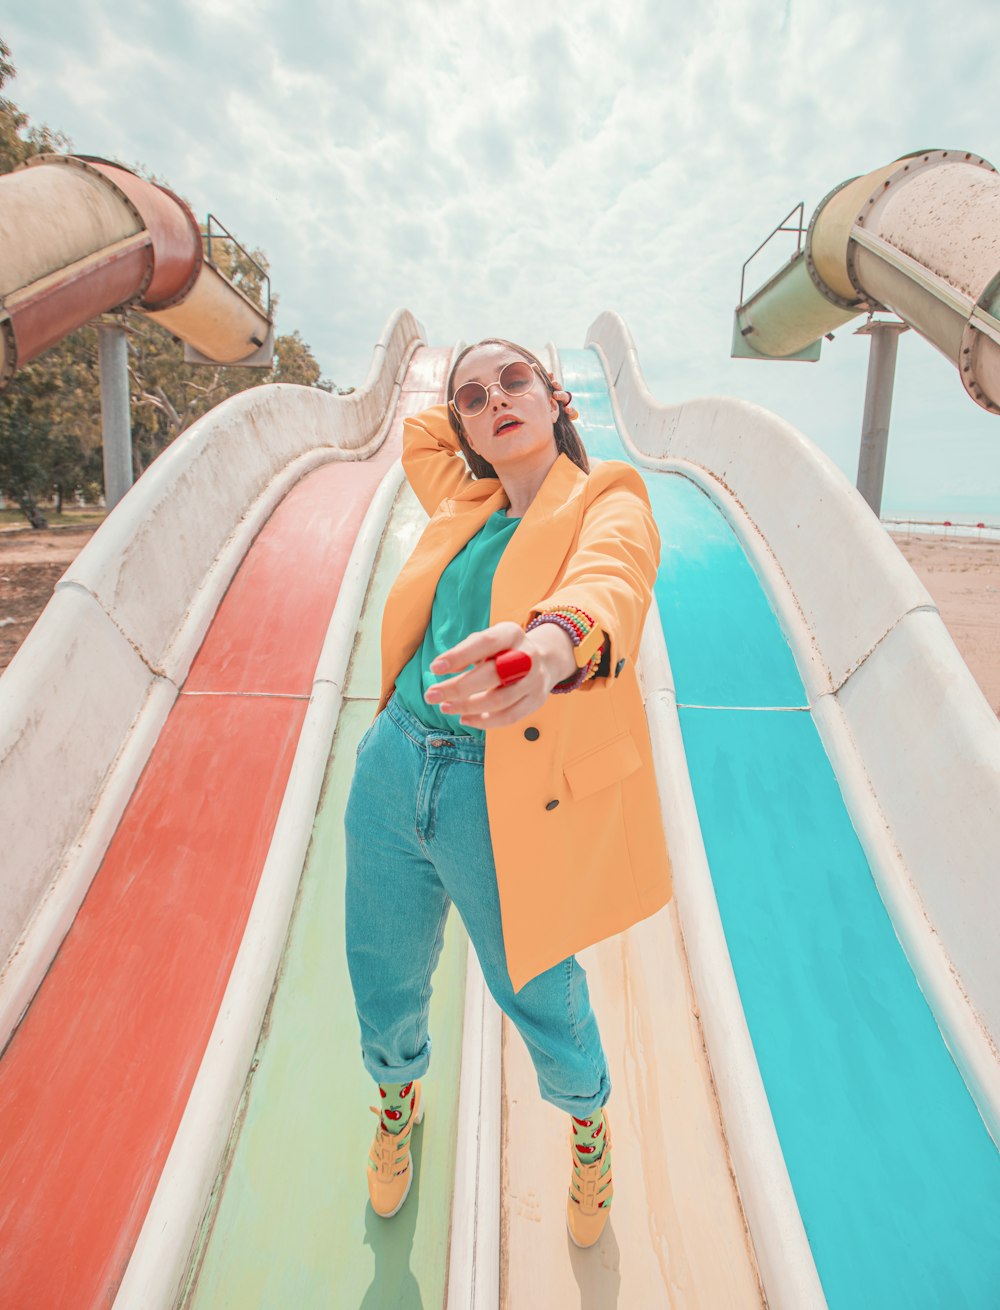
(168, 395)
(18, 141)
(12, 121)
(24, 450)
(50, 427)
(295, 362)
(50, 415)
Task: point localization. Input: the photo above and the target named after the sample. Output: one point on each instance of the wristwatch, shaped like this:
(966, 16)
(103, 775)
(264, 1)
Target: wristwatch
(584, 652)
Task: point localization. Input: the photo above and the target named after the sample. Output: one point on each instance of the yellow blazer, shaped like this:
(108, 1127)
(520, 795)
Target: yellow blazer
(571, 793)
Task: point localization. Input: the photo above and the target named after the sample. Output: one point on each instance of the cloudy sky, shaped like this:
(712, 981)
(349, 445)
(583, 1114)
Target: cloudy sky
(514, 169)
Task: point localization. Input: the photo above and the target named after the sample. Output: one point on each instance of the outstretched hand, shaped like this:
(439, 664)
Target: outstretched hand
(477, 697)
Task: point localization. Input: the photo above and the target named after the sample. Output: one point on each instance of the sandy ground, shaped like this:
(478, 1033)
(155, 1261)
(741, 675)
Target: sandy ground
(963, 576)
(31, 563)
(961, 573)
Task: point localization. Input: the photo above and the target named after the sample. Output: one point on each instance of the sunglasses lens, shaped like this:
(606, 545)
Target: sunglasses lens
(471, 398)
(517, 378)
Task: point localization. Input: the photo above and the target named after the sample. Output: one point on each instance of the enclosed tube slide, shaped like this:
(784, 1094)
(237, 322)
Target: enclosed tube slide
(919, 237)
(80, 236)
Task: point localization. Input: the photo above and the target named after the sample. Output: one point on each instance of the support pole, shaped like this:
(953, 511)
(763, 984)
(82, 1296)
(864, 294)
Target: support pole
(878, 406)
(116, 419)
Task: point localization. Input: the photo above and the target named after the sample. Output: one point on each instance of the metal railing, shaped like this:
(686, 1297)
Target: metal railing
(236, 275)
(979, 531)
(800, 210)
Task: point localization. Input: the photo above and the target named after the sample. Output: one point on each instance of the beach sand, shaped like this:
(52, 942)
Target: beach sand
(961, 573)
(963, 576)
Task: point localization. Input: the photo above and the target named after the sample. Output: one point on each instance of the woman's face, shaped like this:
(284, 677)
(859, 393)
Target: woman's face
(510, 427)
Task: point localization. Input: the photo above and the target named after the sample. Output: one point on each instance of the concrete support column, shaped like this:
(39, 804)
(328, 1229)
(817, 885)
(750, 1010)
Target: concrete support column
(878, 405)
(116, 418)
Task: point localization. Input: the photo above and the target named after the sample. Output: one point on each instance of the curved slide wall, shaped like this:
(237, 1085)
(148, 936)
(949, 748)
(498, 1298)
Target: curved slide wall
(219, 771)
(77, 763)
(921, 237)
(83, 236)
(916, 752)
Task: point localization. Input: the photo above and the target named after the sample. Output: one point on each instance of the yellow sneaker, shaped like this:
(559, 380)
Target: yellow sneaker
(589, 1194)
(390, 1169)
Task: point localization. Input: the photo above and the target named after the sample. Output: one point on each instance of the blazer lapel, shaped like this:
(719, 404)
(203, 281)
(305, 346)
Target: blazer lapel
(527, 568)
(538, 548)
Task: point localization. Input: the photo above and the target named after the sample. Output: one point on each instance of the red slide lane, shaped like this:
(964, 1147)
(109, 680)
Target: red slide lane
(95, 1080)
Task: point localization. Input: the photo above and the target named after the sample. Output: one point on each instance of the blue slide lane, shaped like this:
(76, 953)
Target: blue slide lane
(895, 1175)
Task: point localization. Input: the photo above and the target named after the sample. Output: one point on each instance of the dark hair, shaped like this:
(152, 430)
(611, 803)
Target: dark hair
(567, 438)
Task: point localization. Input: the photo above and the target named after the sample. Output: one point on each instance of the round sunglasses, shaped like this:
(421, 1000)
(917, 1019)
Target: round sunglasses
(515, 379)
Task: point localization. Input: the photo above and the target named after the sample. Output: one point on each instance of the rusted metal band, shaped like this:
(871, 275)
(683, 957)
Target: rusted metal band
(981, 337)
(8, 350)
(89, 164)
(53, 307)
(174, 234)
(821, 286)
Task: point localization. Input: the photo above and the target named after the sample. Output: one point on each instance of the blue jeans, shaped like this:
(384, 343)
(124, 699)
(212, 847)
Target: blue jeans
(418, 838)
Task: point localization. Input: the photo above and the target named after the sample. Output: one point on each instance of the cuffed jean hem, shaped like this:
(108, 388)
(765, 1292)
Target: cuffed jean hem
(581, 1106)
(416, 1068)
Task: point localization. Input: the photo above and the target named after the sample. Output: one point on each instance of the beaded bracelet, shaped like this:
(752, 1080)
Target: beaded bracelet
(582, 628)
(577, 623)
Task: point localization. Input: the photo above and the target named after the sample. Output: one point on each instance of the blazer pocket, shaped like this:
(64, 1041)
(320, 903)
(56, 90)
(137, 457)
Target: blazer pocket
(603, 765)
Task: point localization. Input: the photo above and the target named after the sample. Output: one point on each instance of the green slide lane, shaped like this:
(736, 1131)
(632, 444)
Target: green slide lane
(291, 1224)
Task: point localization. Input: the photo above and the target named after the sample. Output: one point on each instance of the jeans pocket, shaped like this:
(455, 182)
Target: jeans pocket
(364, 738)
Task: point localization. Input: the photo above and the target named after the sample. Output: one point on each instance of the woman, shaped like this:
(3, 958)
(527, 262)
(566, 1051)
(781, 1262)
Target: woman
(549, 838)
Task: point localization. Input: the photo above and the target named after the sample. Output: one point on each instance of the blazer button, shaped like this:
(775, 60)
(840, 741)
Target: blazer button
(619, 666)
(532, 734)
(552, 805)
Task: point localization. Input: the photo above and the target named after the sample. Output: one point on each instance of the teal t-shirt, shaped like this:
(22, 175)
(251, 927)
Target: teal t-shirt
(461, 605)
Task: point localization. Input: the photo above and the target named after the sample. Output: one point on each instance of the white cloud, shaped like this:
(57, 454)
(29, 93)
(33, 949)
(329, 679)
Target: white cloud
(517, 170)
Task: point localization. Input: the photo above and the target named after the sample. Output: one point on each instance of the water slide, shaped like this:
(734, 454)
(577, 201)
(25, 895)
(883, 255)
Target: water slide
(802, 1044)
(920, 237)
(80, 236)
